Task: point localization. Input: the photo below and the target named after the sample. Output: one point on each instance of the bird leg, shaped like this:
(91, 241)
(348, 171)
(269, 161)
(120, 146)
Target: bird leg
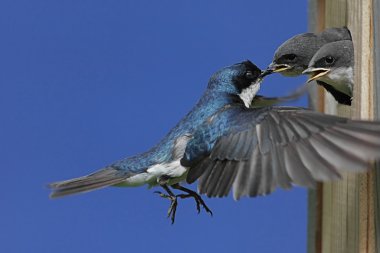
(192, 194)
(173, 201)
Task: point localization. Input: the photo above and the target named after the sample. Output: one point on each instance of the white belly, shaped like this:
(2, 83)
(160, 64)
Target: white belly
(174, 170)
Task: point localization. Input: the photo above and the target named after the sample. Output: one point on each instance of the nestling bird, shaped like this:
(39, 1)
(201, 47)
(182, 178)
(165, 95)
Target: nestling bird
(228, 145)
(334, 64)
(294, 55)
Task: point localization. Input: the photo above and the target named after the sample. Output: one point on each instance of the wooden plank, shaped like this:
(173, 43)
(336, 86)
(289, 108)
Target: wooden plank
(360, 22)
(347, 207)
(316, 101)
(376, 189)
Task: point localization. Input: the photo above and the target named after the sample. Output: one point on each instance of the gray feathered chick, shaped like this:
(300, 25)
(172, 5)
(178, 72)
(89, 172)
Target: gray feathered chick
(294, 55)
(334, 64)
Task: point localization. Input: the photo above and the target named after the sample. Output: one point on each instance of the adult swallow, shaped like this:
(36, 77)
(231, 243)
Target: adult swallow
(226, 144)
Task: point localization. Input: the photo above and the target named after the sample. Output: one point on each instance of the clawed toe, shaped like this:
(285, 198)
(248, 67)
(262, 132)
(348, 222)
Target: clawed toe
(173, 204)
(200, 202)
(174, 200)
(163, 195)
(173, 209)
(192, 194)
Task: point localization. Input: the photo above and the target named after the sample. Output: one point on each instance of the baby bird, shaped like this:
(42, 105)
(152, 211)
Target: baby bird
(294, 55)
(333, 64)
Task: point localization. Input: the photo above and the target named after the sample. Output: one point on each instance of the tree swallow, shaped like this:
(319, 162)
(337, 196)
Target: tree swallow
(294, 55)
(333, 64)
(227, 145)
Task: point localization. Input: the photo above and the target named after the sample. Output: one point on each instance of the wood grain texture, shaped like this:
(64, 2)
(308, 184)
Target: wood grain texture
(348, 207)
(316, 23)
(376, 67)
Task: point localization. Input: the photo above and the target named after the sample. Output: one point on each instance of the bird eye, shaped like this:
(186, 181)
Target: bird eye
(248, 74)
(290, 57)
(329, 59)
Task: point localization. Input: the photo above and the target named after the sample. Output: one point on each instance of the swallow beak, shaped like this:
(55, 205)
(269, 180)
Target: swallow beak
(280, 67)
(275, 68)
(315, 73)
(266, 72)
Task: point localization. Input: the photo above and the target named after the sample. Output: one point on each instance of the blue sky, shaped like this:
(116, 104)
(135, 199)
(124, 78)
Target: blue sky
(85, 83)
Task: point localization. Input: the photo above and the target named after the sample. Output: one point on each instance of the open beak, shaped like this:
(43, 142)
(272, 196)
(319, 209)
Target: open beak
(275, 68)
(315, 73)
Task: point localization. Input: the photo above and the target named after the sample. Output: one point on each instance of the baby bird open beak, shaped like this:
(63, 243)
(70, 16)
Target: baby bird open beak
(315, 73)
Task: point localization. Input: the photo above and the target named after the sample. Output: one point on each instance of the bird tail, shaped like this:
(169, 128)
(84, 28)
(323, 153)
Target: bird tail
(100, 179)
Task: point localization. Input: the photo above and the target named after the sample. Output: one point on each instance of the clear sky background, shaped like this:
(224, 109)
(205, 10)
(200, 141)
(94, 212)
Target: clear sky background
(85, 83)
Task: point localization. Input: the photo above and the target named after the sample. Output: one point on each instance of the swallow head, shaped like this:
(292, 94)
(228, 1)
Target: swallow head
(293, 56)
(242, 80)
(333, 64)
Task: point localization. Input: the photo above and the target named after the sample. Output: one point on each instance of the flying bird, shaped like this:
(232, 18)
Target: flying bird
(294, 55)
(227, 146)
(333, 64)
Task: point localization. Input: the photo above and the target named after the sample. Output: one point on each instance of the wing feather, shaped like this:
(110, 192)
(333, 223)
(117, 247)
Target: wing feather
(266, 149)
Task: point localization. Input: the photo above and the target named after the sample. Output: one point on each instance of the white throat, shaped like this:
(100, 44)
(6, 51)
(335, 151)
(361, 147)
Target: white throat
(249, 93)
(341, 79)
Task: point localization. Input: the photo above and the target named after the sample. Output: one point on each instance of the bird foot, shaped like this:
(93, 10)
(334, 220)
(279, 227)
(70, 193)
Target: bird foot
(198, 200)
(192, 194)
(174, 199)
(173, 204)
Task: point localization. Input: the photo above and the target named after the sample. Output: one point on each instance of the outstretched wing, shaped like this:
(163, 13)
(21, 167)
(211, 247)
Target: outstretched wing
(268, 148)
